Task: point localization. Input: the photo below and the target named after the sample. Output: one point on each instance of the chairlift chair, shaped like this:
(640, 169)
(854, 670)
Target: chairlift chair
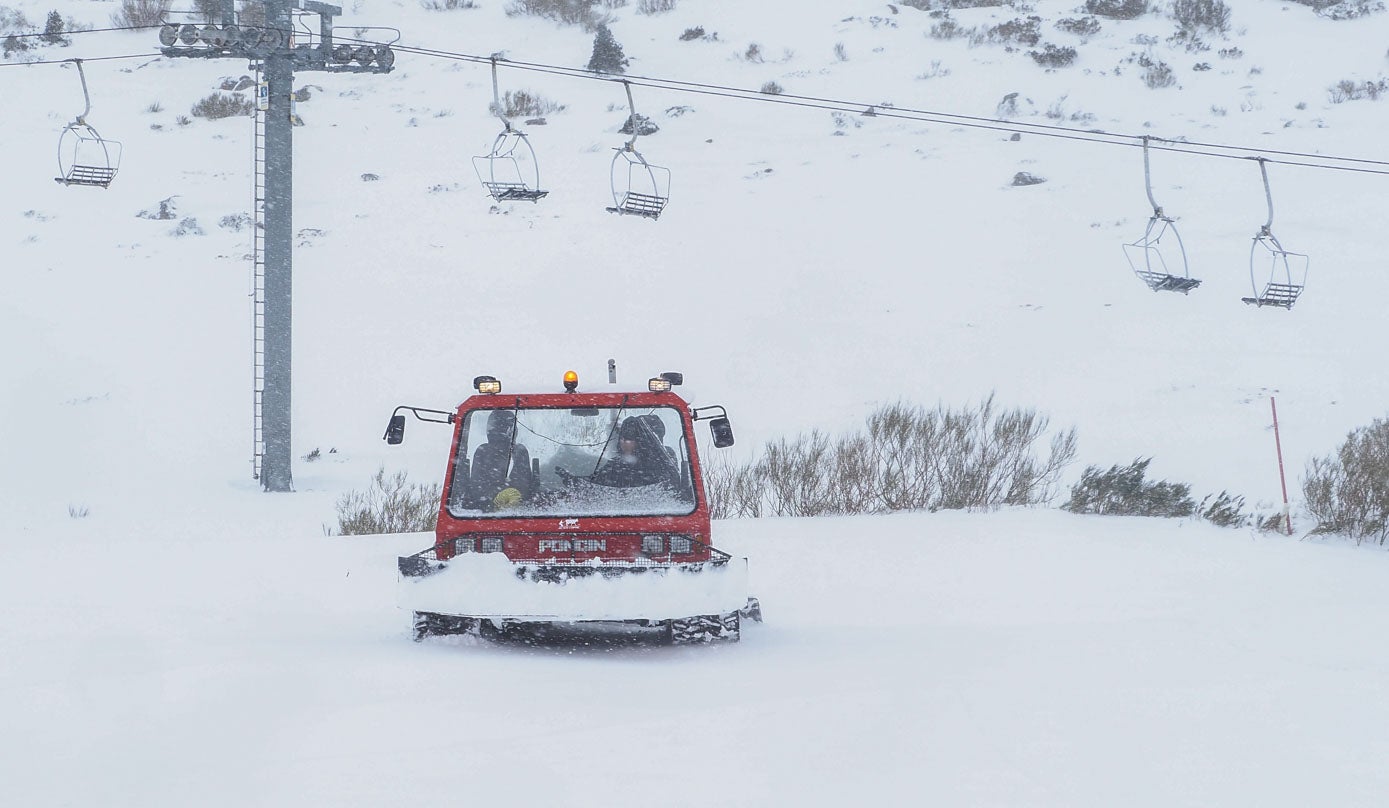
(1287, 271)
(509, 171)
(1148, 256)
(639, 188)
(84, 156)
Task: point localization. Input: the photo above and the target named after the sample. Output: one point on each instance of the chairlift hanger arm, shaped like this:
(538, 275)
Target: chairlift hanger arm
(636, 127)
(497, 95)
(1148, 179)
(86, 96)
(1268, 195)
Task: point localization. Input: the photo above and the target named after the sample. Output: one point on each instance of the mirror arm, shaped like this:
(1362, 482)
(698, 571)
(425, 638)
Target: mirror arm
(705, 413)
(447, 419)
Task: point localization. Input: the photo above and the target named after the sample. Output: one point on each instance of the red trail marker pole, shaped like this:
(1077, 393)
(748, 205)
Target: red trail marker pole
(1278, 443)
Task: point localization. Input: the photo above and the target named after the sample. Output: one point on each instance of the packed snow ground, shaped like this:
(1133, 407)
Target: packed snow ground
(171, 635)
(1019, 658)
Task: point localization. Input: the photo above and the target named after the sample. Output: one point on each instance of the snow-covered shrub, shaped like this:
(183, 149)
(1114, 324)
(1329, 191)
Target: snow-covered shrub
(771, 88)
(447, 5)
(137, 13)
(1343, 9)
(567, 12)
(1349, 90)
(1018, 31)
(521, 103)
(1052, 56)
(168, 209)
(1198, 15)
(655, 6)
(928, 5)
(188, 227)
(639, 124)
(1156, 73)
(390, 505)
(13, 21)
(1117, 9)
(607, 53)
(1348, 492)
(950, 28)
(14, 44)
(223, 105)
(1124, 492)
(692, 34)
(1224, 510)
(1080, 26)
(906, 458)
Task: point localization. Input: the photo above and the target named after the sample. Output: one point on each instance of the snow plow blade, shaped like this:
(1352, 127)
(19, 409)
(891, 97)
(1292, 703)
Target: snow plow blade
(491, 586)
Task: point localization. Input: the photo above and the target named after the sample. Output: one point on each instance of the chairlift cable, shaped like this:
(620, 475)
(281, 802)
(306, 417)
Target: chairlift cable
(85, 59)
(1197, 148)
(85, 31)
(1308, 160)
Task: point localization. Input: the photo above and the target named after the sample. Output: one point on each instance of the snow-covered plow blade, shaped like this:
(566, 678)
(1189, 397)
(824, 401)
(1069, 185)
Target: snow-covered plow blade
(485, 593)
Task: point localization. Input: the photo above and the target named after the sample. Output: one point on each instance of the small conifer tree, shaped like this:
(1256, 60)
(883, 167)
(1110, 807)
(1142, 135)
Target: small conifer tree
(53, 30)
(607, 53)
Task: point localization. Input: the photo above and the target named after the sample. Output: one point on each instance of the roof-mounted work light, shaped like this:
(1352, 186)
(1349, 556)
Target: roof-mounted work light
(663, 383)
(487, 385)
(571, 381)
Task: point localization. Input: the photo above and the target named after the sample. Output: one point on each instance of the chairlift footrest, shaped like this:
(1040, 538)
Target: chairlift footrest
(96, 176)
(1279, 295)
(513, 192)
(1160, 282)
(645, 205)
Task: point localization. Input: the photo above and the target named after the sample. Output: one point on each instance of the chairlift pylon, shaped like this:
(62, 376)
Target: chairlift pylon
(638, 187)
(1287, 275)
(509, 171)
(84, 156)
(1148, 256)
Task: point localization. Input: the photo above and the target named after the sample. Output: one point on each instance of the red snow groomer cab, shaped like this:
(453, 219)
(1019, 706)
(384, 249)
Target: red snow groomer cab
(575, 507)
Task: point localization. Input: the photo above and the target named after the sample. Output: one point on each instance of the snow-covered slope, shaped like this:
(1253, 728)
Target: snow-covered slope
(1023, 658)
(162, 615)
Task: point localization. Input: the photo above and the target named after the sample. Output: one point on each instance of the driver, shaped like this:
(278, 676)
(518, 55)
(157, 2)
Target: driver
(641, 459)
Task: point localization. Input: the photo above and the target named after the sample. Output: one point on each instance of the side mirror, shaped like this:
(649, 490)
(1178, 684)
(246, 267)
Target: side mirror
(722, 431)
(395, 430)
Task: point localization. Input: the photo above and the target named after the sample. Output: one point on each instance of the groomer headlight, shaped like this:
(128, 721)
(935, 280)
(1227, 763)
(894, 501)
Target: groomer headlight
(487, 385)
(659, 385)
(653, 545)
